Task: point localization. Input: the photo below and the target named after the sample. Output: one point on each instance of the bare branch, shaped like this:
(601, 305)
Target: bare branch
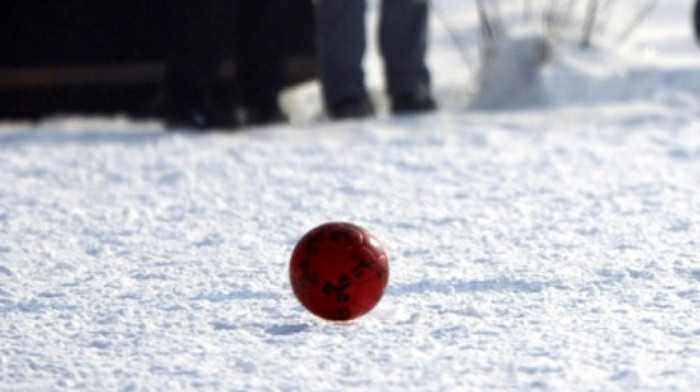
(589, 23)
(637, 21)
(606, 13)
(443, 20)
(490, 29)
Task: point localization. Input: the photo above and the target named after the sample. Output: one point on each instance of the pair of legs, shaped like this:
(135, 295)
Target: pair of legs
(202, 34)
(402, 42)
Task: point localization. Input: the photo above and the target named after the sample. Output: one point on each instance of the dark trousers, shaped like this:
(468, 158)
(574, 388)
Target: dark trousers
(402, 42)
(203, 32)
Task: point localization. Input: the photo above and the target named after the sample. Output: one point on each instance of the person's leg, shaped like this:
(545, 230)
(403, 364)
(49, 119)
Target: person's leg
(198, 32)
(341, 47)
(403, 36)
(260, 58)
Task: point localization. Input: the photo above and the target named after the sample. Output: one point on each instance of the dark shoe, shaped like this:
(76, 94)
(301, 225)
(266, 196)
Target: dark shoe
(189, 111)
(263, 116)
(198, 117)
(412, 103)
(353, 108)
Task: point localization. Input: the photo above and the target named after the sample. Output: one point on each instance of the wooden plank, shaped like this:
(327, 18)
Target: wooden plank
(74, 76)
(298, 69)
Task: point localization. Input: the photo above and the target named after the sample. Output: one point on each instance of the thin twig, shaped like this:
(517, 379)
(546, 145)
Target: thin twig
(606, 13)
(566, 20)
(549, 15)
(589, 23)
(497, 18)
(637, 21)
(443, 20)
(488, 32)
(559, 18)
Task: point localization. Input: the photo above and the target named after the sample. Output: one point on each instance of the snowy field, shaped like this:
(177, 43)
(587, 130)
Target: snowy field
(549, 249)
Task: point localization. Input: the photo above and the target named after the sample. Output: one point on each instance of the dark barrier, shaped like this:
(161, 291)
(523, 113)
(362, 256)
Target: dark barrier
(108, 56)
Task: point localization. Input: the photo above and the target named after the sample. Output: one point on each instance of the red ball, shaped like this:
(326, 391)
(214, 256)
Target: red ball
(339, 271)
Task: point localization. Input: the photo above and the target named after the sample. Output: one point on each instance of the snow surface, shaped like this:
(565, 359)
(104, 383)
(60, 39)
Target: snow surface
(555, 249)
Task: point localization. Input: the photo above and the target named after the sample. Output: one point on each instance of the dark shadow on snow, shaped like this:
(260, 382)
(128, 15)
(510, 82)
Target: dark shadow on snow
(237, 295)
(59, 137)
(471, 286)
(286, 329)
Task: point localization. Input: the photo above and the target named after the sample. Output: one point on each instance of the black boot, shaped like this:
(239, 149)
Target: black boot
(412, 103)
(183, 112)
(264, 115)
(351, 108)
(198, 36)
(201, 116)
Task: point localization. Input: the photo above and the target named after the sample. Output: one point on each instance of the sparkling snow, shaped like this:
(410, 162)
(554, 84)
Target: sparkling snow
(551, 249)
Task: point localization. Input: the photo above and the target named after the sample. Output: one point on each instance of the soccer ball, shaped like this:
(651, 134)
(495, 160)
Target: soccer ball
(338, 271)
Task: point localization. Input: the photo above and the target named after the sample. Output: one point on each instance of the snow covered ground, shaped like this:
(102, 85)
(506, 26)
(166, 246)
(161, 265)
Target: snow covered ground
(553, 249)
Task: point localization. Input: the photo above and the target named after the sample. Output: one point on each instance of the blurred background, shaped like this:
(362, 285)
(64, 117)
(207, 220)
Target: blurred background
(107, 57)
(103, 57)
